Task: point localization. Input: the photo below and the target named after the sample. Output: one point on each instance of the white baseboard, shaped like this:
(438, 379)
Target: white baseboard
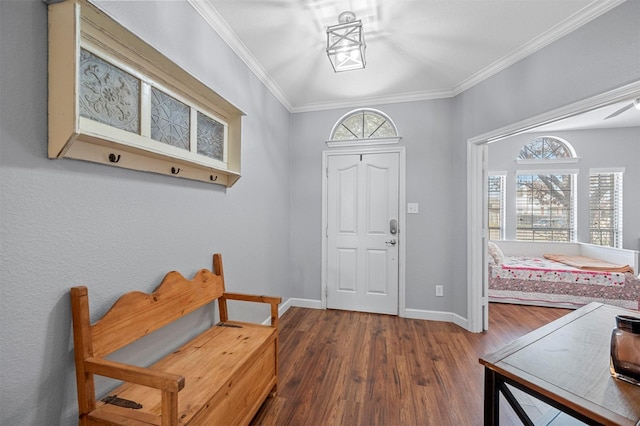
(436, 316)
(301, 303)
(297, 303)
(408, 313)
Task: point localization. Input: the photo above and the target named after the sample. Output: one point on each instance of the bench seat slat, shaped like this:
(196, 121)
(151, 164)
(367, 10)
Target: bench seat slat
(227, 349)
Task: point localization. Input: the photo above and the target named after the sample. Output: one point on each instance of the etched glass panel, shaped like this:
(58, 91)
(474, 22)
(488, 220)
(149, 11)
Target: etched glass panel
(354, 126)
(377, 127)
(169, 120)
(210, 137)
(364, 124)
(343, 133)
(108, 94)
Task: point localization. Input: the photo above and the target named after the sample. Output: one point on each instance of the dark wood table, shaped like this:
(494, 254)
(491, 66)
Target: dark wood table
(566, 365)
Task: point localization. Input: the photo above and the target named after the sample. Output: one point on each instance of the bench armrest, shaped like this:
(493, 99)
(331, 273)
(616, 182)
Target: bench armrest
(273, 301)
(253, 298)
(130, 373)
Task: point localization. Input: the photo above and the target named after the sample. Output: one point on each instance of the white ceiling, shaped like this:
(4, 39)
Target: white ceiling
(416, 49)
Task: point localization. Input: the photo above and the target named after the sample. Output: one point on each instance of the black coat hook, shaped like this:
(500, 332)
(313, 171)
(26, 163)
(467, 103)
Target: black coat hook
(213, 179)
(113, 158)
(175, 171)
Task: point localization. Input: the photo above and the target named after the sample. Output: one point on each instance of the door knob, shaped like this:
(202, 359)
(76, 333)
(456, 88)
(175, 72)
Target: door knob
(391, 243)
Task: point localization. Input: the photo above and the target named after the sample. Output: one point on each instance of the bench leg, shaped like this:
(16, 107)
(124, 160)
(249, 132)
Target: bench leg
(169, 408)
(274, 391)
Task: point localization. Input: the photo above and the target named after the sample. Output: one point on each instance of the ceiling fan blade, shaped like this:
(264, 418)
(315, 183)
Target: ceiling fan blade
(620, 111)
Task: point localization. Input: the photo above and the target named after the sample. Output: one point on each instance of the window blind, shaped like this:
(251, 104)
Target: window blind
(496, 206)
(605, 208)
(545, 206)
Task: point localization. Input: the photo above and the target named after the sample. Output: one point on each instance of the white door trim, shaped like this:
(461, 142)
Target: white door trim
(476, 233)
(402, 212)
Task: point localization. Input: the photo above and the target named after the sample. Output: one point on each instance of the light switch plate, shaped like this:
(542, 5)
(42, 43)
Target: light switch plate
(413, 208)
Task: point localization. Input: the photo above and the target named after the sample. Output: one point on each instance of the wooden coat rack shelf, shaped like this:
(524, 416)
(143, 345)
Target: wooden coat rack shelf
(115, 100)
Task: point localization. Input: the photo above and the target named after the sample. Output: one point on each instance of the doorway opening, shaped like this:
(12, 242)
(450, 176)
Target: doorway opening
(477, 177)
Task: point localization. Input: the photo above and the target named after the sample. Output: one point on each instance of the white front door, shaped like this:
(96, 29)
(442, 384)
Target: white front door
(363, 232)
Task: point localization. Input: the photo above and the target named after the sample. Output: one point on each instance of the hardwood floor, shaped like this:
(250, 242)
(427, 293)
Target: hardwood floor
(353, 368)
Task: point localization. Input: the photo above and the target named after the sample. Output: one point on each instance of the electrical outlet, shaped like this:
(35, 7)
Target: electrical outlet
(439, 291)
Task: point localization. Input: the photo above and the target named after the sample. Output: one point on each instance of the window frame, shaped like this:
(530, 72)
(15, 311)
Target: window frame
(616, 231)
(572, 226)
(548, 167)
(331, 142)
(573, 158)
(501, 194)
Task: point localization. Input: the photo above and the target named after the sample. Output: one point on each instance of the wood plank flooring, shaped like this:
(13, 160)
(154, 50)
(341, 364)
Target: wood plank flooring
(353, 368)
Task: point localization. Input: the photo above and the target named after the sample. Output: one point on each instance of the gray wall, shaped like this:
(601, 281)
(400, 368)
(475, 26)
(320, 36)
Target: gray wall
(426, 129)
(597, 57)
(68, 223)
(603, 148)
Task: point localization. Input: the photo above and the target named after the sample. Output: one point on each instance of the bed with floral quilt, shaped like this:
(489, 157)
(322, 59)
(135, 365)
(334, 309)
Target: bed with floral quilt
(539, 280)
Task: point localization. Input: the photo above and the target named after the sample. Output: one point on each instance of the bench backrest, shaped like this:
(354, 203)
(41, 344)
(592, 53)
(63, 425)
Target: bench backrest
(137, 314)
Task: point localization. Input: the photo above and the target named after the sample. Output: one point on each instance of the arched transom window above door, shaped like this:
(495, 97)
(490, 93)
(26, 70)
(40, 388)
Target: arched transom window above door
(363, 126)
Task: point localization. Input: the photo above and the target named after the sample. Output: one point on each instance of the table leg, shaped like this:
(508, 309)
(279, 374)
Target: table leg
(513, 402)
(491, 399)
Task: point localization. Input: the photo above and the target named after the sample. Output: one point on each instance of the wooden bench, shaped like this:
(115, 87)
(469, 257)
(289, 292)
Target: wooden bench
(221, 377)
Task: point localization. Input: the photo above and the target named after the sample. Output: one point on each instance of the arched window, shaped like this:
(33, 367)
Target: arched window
(363, 126)
(547, 148)
(545, 199)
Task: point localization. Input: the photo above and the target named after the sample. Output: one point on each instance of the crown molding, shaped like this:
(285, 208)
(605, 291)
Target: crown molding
(578, 19)
(374, 100)
(216, 21)
(220, 26)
